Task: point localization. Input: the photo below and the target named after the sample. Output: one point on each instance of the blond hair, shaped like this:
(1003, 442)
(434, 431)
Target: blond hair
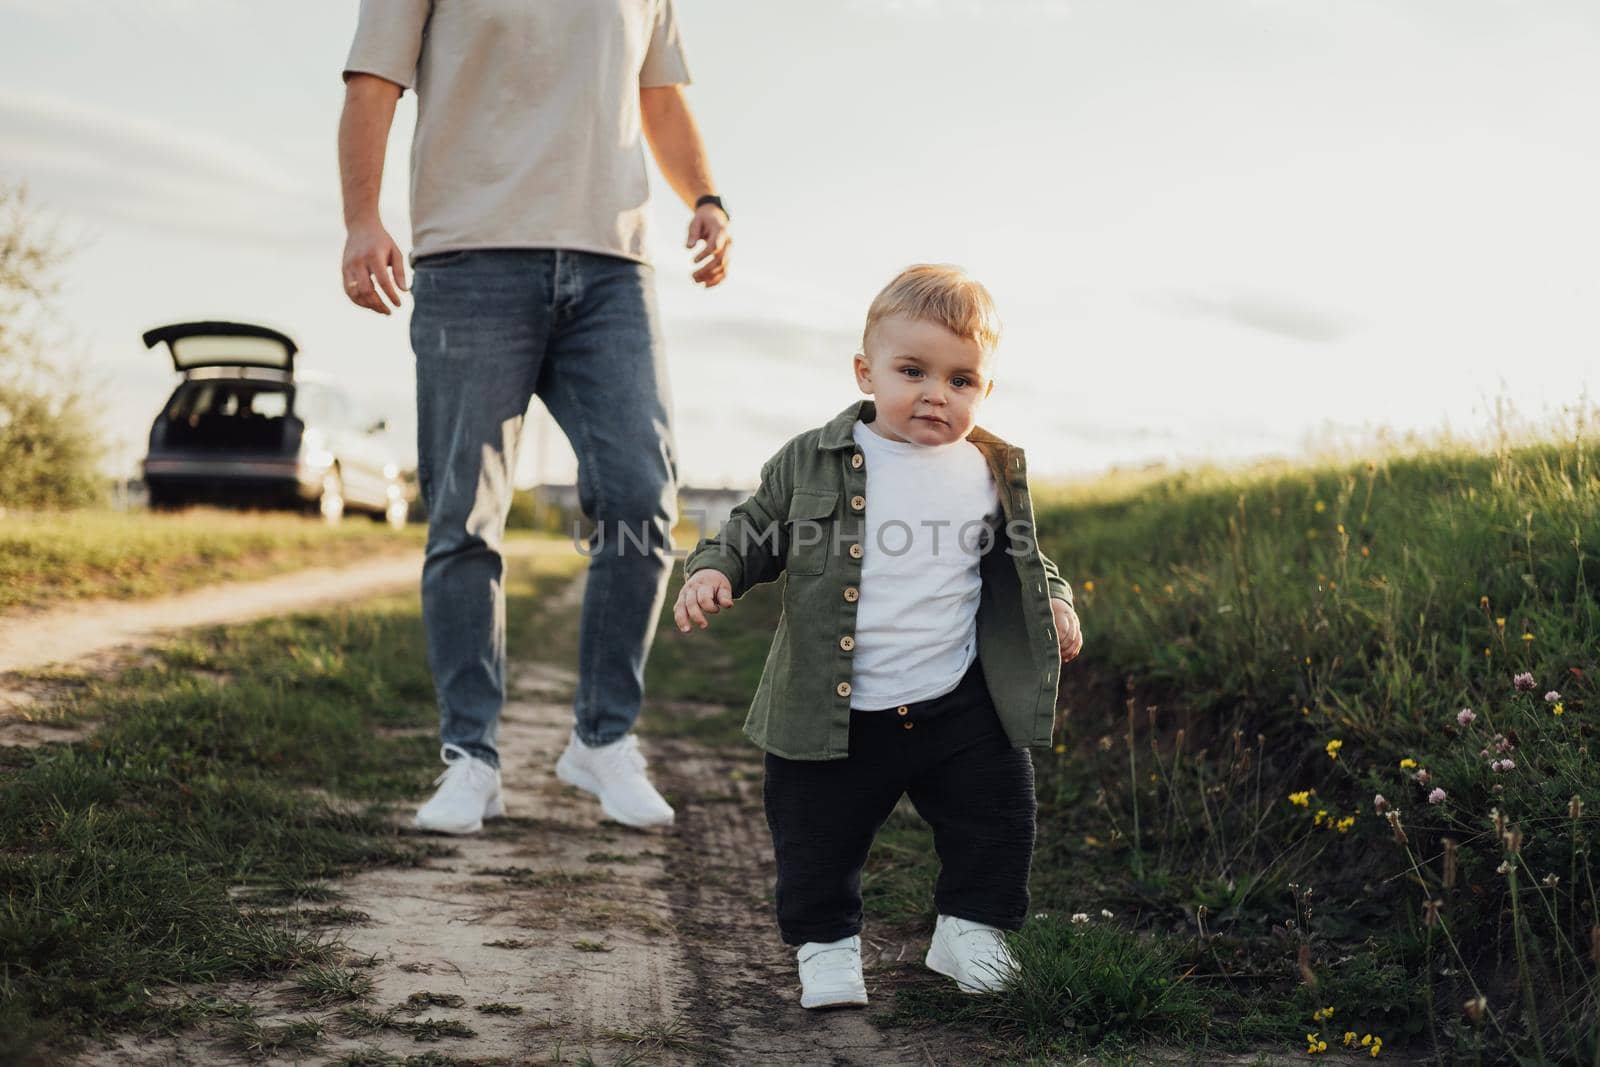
(942, 293)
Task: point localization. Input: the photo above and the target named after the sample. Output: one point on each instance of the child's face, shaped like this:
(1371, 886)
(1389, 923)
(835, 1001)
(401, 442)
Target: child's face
(926, 382)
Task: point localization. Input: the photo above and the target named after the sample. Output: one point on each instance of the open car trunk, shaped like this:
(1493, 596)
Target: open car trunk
(230, 416)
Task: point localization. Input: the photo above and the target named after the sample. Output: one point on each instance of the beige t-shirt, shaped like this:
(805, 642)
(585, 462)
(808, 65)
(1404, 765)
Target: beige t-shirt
(528, 128)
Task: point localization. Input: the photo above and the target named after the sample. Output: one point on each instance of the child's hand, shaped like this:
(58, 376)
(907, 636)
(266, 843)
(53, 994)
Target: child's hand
(1069, 635)
(705, 591)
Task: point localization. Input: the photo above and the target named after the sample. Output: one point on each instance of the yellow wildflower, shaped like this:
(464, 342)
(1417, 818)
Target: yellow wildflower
(1407, 763)
(1366, 1039)
(1343, 826)
(1060, 749)
(1301, 799)
(1333, 747)
(1486, 651)
(1559, 708)
(1349, 1038)
(1320, 507)
(1527, 637)
(1341, 527)
(1088, 587)
(1136, 588)
(1321, 814)
(1483, 602)
(1500, 622)
(1304, 710)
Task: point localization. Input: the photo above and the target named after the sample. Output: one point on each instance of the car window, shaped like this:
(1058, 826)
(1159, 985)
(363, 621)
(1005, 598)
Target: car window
(227, 399)
(269, 404)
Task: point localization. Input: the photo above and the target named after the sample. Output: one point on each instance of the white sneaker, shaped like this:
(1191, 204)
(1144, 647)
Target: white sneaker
(974, 954)
(615, 774)
(830, 973)
(469, 792)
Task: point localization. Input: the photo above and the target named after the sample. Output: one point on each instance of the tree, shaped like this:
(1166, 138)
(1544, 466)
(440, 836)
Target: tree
(50, 447)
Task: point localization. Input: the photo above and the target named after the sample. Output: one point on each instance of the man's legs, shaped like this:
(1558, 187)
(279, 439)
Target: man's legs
(479, 329)
(605, 383)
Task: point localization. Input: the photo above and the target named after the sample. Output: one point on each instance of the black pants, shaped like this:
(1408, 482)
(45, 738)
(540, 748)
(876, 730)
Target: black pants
(954, 759)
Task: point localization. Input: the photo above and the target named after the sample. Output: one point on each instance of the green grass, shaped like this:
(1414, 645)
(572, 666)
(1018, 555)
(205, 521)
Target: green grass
(47, 557)
(1077, 985)
(251, 756)
(1237, 627)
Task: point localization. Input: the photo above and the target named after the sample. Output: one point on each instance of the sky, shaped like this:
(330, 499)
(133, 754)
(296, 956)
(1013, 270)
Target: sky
(1215, 229)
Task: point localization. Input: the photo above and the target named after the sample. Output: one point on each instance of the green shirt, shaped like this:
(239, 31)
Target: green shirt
(801, 709)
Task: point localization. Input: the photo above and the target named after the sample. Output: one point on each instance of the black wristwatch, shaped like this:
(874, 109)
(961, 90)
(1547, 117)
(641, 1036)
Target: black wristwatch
(709, 199)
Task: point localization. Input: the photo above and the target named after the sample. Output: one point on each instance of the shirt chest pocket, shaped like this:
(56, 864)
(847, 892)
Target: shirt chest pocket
(809, 529)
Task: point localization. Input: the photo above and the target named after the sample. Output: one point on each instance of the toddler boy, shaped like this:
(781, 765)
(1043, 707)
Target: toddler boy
(919, 650)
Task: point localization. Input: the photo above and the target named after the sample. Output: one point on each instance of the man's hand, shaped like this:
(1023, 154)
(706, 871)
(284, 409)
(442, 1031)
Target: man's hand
(1069, 635)
(705, 592)
(709, 230)
(369, 252)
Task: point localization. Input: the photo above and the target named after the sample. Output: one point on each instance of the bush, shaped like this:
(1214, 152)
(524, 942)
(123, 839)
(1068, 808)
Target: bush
(48, 449)
(49, 446)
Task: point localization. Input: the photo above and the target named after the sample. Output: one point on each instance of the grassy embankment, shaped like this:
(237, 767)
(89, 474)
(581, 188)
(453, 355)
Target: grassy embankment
(251, 756)
(47, 557)
(1267, 653)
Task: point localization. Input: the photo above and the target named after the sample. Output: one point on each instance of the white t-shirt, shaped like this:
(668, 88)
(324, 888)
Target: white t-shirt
(528, 125)
(917, 619)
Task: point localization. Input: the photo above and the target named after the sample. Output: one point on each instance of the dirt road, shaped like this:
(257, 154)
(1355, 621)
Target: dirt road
(579, 936)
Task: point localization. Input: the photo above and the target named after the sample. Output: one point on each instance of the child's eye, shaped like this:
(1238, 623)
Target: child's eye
(958, 382)
(912, 370)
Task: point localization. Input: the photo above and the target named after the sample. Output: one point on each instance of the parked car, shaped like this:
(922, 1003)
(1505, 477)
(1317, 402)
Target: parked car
(242, 427)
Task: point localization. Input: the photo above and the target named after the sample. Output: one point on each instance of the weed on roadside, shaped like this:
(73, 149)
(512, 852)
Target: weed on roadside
(319, 986)
(263, 1042)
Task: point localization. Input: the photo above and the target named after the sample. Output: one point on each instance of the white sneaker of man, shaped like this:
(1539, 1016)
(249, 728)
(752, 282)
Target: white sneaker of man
(469, 792)
(615, 774)
(830, 973)
(974, 954)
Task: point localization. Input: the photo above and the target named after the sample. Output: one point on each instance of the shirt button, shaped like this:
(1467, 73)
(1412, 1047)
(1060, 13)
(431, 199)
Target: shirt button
(858, 502)
(847, 642)
(856, 461)
(851, 593)
(855, 551)
(908, 725)
(843, 689)
(903, 710)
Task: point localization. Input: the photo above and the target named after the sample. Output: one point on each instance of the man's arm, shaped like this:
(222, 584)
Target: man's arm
(369, 251)
(675, 141)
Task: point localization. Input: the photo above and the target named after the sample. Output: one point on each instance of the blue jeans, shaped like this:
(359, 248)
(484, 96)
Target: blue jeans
(491, 328)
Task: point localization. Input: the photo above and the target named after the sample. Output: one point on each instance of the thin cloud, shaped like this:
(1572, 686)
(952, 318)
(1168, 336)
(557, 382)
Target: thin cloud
(768, 340)
(110, 165)
(1270, 313)
(970, 9)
